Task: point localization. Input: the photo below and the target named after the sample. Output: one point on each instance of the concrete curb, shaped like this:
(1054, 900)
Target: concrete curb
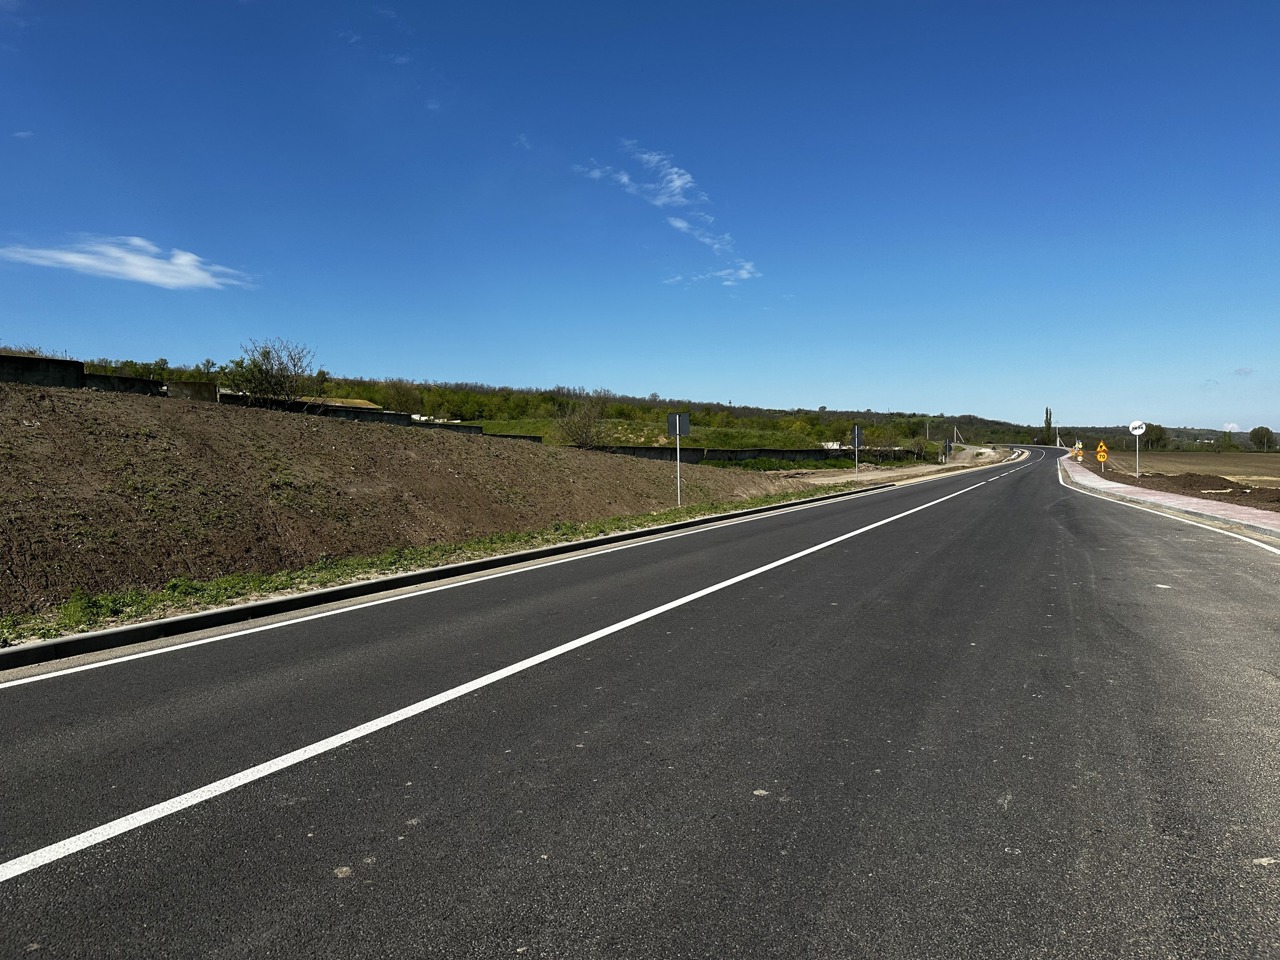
(1190, 510)
(26, 654)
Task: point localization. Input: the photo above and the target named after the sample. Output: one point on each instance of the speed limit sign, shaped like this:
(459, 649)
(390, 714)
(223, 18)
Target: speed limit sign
(1102, 456)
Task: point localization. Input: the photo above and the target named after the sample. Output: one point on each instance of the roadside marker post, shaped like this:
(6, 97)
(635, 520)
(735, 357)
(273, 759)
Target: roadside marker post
(855, 440)
(677, 426)
(1137, 428)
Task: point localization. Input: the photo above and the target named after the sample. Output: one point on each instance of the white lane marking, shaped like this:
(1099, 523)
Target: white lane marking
(1168, 516)
(64, 848)
(587, 552)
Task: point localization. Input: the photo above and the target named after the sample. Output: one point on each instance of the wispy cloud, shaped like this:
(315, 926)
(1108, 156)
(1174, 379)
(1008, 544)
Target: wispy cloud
(729, 277)
(669, 187)
(741, 270)
(666, 185)
(719, 242)
(23, 134)
(1243, 371)
(132, 258)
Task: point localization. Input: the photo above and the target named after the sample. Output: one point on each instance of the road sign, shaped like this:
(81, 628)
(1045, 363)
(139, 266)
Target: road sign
(1102, 447)
(1102, 456)
(1137, 428)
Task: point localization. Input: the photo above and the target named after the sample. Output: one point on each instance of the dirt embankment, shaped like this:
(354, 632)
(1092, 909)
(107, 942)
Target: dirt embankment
(103, 492)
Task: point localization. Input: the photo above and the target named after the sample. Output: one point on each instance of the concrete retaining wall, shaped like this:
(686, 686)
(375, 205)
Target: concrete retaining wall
(50, 372)
(42, 371)
(455, 427)
(204, 390)
(113, 384)
(699, 454)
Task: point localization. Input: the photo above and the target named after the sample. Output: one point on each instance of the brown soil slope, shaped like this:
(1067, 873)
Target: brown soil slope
(102, 492)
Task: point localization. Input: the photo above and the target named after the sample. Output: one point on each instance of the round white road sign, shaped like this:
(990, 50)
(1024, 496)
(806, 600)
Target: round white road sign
(1137, 427)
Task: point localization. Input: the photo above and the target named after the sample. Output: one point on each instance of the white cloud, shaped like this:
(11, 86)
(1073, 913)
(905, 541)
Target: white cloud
(1231, 427)
(132, 258)
(673, 187)
(741, 270)
(666, 185)
(24, 134)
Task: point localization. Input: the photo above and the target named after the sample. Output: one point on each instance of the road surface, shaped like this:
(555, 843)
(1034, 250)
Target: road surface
(979, 716)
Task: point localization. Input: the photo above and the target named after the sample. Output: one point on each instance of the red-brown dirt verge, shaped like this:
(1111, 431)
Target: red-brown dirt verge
(1254, 479)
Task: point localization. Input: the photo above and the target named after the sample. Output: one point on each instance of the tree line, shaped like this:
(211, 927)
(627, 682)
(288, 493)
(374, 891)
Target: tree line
(278, 370)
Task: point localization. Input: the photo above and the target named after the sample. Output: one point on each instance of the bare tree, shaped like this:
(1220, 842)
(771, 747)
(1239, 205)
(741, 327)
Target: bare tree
(580, 419)
(271, 370)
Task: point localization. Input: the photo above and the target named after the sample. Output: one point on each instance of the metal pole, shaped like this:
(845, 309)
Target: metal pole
(677, 465)
(1137, 457)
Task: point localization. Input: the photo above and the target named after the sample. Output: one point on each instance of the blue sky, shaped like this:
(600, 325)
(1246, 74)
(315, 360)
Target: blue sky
(958, 206)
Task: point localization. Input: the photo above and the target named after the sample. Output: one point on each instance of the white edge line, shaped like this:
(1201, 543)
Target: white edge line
(1169, 516)
(587, 551)
(63, 848)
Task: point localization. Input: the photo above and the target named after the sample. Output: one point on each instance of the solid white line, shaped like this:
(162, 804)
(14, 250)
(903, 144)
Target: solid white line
(64, 848)
(1168, 516)
(587, 551)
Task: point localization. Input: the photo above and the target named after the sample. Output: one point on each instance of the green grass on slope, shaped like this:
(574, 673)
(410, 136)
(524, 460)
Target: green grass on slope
(84, 612)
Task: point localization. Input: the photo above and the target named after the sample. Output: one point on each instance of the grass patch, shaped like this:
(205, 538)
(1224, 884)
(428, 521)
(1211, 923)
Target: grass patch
(544, 428)
(747, 438)
(84, 612)
(772, 463)
(637, 433)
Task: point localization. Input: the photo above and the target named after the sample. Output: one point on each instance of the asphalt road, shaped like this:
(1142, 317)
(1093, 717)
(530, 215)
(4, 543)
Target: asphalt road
(981, 716)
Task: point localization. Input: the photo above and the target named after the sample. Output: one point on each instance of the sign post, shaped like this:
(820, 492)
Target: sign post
(1137, 428)
(1102, 457)
(855, 440)
(677, 426)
